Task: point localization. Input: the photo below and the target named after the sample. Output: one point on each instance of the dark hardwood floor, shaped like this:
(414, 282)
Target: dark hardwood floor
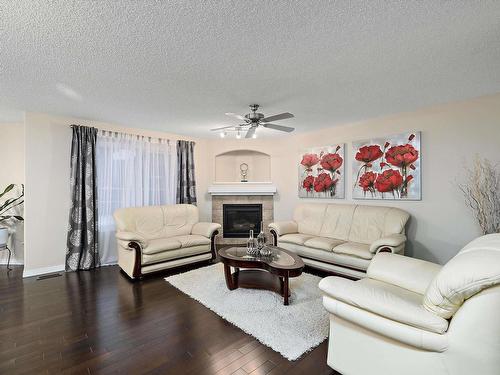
(98, 322)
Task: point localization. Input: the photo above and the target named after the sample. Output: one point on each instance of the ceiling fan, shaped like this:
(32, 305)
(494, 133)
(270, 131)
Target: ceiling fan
(252, 121)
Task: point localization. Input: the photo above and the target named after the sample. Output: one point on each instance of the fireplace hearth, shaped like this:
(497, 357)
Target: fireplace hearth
(239, 219)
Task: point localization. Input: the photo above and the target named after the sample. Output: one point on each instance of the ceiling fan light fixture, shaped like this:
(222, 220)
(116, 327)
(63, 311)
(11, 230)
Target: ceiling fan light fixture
(253, 120)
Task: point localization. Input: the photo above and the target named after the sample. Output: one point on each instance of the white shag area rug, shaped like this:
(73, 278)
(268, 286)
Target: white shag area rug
(290, 330)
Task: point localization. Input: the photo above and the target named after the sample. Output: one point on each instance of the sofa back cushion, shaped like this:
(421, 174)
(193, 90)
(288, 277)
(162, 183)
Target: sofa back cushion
(349, 222)
(474, 268)
(154, 222)
(337, 221)
(147, 221)
(309, 218)
(369, 223)
(179, 219)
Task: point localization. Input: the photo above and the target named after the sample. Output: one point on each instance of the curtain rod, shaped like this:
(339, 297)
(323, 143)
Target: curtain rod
(139, 136)
(114, 132)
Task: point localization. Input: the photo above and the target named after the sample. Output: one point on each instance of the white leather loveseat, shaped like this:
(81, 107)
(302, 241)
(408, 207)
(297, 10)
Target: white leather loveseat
(342, 238)
(155, 238)
(414, 317)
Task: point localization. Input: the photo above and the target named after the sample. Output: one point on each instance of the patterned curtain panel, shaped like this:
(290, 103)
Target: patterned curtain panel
(82, 249)
(186, 185)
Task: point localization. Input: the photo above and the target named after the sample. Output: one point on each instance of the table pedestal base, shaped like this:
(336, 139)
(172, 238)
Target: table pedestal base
(257, 279)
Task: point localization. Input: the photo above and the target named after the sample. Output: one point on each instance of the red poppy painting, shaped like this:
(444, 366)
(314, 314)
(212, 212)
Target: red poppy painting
(321, 172)
(388, 168)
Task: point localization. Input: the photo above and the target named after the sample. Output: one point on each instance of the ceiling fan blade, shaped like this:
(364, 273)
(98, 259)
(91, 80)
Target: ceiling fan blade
(281, 116)
(224, 127)
(279, 127)
(251, 132)
(231, 114)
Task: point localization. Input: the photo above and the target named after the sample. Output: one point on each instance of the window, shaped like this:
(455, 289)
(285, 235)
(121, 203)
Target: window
(131, 171)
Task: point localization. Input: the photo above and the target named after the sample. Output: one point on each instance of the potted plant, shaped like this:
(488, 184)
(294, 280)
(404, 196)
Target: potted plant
(7, 206)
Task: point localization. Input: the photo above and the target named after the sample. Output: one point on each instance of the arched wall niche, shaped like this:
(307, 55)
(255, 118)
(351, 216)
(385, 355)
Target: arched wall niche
(227, 166)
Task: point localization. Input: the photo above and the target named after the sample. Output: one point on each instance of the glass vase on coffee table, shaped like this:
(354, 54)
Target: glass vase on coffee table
(261, 238)
(264, 250)
(252, 247)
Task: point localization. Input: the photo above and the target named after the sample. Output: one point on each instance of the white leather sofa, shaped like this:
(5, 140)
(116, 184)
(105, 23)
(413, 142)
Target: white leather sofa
(155, 238)
(342, 238)
(410, 316)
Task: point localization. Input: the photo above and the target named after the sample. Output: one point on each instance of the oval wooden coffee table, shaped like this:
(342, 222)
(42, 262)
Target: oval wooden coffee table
(262, 272)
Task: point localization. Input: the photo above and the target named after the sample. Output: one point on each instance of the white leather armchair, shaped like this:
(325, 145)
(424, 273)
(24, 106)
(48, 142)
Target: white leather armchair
(155, 238)
(409, 316)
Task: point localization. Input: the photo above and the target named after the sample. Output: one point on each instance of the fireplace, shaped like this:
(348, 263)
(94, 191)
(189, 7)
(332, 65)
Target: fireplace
(239, 219)
(241, 200)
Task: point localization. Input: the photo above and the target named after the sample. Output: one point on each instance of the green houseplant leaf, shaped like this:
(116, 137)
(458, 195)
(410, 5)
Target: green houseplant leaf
(7, 189)
(7, 217)
(10, 204)
(5, 206)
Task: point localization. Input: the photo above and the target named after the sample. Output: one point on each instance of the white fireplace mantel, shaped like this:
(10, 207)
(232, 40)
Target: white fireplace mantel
(242, 188)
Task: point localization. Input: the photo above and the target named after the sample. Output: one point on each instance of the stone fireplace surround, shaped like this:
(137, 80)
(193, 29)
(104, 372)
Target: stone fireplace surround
(267, 202)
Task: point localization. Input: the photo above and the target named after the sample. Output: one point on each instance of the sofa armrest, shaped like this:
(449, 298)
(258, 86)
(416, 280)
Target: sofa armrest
(394, 243)
(370, 296)
(405, 272)
(126, 237)
(284, 227)
(205, 229)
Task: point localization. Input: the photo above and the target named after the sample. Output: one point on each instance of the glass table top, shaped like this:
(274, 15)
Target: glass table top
(277, 257)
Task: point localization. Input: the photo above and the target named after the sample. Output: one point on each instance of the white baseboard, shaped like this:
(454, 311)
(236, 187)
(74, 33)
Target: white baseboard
(43, 270)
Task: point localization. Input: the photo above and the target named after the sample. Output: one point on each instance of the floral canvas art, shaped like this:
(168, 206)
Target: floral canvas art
(387, 168)
(321, 172)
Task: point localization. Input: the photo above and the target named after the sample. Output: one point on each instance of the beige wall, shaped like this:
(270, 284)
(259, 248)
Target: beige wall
(451, 134)
(11, 154)
(48, 146)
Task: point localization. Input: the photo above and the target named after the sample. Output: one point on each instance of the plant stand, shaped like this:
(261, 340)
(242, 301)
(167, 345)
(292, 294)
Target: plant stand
(5, 247)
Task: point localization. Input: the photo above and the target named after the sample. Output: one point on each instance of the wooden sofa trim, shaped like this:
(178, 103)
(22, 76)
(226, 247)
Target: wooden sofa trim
(137, 272)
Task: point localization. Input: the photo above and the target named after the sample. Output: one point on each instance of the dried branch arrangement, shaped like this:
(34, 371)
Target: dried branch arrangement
(481, 189)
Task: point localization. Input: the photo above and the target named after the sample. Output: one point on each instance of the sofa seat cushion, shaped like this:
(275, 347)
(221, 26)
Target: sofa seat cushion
(192, 240)
(161, 244)
(387, 300)
(173, 243)
(296, 238)
(327, 256)
(356, 249)
(170, 255)
(323, 243)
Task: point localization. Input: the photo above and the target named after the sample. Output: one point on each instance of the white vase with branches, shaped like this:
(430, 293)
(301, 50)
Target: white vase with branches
(481, 189)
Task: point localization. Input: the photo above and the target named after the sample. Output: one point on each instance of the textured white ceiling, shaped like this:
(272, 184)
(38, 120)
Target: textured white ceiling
(178, 66)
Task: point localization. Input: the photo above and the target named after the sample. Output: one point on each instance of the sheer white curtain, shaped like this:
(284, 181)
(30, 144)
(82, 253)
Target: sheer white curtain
(131, 171)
